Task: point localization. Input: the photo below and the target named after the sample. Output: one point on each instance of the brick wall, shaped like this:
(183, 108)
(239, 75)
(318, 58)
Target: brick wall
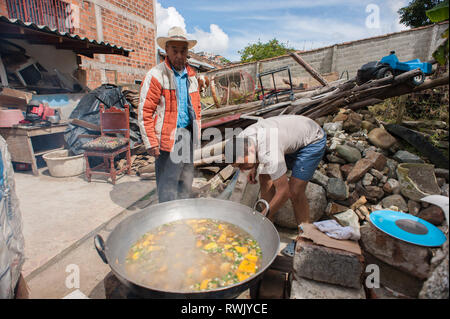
(129, 24)
(3, 8)
(410, 44)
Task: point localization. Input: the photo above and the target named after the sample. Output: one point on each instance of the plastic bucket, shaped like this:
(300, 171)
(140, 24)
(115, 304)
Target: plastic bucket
(61, 165)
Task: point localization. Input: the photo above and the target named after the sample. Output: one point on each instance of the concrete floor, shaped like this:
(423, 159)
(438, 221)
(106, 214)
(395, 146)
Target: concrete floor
(58, 213)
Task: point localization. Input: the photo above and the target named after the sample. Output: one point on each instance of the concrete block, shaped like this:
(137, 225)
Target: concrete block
(302, 288)
(273, 285)
(413, 259)
(394, 278)
(328, 265)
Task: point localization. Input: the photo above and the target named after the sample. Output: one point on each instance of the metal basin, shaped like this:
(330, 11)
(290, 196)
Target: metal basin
(126, 233)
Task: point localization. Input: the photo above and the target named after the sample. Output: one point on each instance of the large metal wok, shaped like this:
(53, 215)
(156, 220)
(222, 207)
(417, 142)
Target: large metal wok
(132, 228)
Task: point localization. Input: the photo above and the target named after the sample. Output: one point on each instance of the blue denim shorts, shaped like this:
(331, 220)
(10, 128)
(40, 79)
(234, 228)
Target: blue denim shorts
(304, 162)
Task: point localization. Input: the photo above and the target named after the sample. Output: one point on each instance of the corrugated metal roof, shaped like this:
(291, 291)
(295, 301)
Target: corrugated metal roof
(56, 32)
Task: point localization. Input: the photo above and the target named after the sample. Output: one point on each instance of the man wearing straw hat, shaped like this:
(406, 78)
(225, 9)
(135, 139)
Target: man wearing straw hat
(169, 117)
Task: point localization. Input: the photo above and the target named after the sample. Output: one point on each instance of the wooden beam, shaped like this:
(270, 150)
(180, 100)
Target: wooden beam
(309, 68)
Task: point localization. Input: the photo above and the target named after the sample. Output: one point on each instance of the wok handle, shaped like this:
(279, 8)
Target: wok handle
(99, 244)
(265, 203)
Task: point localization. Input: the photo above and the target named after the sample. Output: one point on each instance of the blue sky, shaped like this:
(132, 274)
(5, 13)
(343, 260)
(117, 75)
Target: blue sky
(225, 27)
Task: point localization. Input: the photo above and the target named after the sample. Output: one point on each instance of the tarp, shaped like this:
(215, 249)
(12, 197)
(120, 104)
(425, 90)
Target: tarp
(88, 109)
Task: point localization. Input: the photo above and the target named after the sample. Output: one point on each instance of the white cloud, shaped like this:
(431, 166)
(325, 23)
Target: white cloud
(213, 41)
(167, 18)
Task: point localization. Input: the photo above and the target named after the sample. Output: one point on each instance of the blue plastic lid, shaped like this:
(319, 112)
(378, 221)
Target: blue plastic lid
(408, 228)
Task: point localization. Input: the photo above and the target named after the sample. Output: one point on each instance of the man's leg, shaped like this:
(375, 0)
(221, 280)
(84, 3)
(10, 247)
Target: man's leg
(187, 172)
(297, 188)
(267, 188)
(167, 177)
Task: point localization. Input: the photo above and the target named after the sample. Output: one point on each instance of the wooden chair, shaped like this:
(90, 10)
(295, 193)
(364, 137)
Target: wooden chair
(112, 121)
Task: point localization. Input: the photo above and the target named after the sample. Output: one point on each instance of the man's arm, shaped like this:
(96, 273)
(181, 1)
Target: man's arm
(151, 92)
(282, 194)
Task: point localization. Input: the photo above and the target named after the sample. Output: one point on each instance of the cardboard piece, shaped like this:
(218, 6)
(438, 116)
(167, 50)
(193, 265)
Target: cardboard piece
(312, 233)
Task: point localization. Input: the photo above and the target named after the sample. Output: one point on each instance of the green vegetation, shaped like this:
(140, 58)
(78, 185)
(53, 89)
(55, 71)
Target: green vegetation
(414, 14)
(439, 14)
(260, 51)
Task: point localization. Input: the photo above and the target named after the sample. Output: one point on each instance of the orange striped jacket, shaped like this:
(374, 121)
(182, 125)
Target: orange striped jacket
(158, 106)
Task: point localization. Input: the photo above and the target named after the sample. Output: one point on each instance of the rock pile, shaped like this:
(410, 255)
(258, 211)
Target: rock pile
(365, 170)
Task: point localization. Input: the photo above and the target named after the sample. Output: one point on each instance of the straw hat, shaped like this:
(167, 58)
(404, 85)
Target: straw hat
(175, 34)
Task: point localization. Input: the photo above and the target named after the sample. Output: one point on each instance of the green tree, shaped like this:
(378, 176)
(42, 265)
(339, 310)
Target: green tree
(414, 14)
(259, 51)
(439, 14)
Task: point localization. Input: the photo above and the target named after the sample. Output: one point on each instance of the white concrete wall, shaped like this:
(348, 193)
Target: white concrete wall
(411, 44)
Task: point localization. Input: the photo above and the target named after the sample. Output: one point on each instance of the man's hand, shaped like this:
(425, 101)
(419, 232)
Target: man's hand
(252, 176)
(154, 151)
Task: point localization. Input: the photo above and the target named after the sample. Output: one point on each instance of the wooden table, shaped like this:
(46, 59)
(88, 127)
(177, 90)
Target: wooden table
(27, 142)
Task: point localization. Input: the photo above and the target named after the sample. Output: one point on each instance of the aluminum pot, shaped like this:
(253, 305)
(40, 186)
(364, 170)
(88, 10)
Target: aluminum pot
(126, 233)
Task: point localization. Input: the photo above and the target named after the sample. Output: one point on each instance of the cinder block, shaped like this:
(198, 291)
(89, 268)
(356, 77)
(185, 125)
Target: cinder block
(328, 265)
(395, 279)
(302, 288)
(273, 285)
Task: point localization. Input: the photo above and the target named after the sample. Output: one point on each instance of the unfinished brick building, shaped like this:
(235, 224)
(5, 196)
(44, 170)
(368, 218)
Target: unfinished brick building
(126, 29)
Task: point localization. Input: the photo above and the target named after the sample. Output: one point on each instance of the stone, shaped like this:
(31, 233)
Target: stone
(436, 286)
(346, 169)
(341, 117)
(392, 186)
(302, 288)
(317, 200)
(335, 208)
(392, 166)
(348, 218)
(417, 180)
(377, 174)
(367, 179)
(320, 179)
(413, 207)
(359, 170)
(368, 126)
(440, 181)
(329, 265)
(383, 180)
(433, 215)
(442, 172)
(321, 120)
(337, 189)
(352, 198)
(352, 123)
(379, 160)
(372, 193)
(395, 200)
(407, 157)
(445, 190)
(334, 170)
(404, 256)
(335, 159)
(394, 278)
(381, 138)
(350, 154)
(333, 128)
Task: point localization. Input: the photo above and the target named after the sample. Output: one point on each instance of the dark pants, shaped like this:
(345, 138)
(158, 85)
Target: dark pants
(175, 171)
